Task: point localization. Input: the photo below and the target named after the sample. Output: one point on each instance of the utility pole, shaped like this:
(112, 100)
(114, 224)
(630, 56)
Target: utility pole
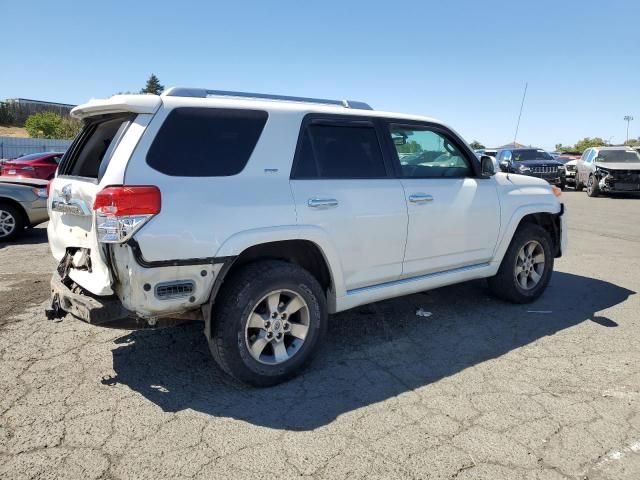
(628, 119)
(520, 114)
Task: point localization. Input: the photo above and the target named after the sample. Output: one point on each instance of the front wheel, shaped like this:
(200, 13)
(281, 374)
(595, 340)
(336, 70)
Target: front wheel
(526, 268)
(270, 318)
(578, 185)
(593, 190)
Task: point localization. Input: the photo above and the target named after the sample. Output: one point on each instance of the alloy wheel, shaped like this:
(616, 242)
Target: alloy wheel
(530, 265)
(277, 327)
(7, 223)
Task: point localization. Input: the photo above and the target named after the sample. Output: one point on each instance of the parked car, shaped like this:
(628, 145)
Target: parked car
(609, 170)
(23, 203)
(569, 159)
(36, 165)
(260, 214)
(533, 162)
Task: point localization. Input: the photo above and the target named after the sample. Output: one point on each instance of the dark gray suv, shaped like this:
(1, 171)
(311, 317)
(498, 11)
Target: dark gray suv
(534, 162)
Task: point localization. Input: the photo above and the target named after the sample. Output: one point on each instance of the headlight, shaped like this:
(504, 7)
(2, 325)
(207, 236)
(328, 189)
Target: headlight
(523, 169)
(561, 168)
(601, 172)
(40, 192)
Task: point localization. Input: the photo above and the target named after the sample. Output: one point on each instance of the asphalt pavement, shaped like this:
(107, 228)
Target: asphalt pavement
(480, 389)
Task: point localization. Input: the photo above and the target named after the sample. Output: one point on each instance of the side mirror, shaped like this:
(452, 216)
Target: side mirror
(486, 166)
(504, 166)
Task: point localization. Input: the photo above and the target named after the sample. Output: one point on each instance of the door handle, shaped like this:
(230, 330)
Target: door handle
(420, 198)
(322, 203)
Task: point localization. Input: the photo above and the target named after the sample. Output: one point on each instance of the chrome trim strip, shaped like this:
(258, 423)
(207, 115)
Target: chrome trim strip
(72, 207)
(404, 281)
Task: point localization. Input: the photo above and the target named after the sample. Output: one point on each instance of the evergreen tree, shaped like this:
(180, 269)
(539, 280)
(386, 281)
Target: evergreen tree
(153, 86)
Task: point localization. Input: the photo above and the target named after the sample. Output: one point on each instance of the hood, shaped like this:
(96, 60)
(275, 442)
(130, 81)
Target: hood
(618, 165)
(538, 163)
(571, 162)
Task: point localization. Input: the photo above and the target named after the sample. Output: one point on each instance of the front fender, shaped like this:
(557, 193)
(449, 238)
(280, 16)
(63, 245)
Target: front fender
(515, 219)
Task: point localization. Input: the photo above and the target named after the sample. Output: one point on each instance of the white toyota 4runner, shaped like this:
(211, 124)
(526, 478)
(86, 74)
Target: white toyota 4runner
(260, 215)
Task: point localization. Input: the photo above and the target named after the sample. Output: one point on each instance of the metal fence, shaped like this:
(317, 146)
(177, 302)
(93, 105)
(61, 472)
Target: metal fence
(12, 147)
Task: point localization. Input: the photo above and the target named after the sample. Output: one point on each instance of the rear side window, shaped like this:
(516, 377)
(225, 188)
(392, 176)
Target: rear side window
(206, 142)
(339, 151)
(91, 150)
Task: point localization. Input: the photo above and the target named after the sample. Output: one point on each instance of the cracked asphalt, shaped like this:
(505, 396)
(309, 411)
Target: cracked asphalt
(478, 390)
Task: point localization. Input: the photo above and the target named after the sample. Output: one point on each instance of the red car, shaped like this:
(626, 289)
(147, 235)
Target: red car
(35, 165)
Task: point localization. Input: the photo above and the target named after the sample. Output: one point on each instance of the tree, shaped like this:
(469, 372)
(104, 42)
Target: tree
(69, 128)
(153, 86)
(475, 145)
(51, 125)
(588, 142)
(43, 125)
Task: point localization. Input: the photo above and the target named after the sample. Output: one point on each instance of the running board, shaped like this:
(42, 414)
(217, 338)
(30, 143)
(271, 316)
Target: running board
(406, 286)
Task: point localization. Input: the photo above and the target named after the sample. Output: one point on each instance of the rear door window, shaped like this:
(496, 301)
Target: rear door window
(339, 151)
(206, 142)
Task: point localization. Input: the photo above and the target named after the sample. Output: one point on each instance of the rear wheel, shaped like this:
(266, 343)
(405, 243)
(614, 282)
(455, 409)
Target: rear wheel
(11, 222)
(593, 190)
(526, 268)
(270, 318)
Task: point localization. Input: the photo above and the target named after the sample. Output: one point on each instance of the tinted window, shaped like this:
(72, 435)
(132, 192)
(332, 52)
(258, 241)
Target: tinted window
(206, 142)
(427, 154)
(621, 156)
(33, 156)
(338, 151)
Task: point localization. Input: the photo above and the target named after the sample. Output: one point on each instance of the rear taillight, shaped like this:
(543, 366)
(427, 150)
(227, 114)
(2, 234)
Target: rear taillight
(122, 210)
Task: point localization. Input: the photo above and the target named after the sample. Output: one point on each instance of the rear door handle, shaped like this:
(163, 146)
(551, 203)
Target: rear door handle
(322, 203)
(420, 198)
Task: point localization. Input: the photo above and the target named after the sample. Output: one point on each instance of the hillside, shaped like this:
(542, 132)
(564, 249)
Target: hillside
(13, 132)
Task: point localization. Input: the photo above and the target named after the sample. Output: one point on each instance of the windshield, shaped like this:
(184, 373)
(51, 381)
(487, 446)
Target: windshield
(532, 154)
(619, 156)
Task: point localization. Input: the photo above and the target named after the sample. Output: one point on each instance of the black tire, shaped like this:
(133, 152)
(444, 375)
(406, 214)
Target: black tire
(577, 185)
(8, 211)
(593, 190)
(234, 305)
(504, 284)
(563, 185)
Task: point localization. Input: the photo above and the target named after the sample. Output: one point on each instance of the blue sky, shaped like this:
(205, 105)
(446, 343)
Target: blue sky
(463, 62)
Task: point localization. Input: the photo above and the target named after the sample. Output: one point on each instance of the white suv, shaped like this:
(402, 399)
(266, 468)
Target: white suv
(261, 214)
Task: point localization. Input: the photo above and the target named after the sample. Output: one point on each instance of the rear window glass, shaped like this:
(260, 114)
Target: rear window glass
(206, 142)
(33, 156)
(337, 151)
(91, 150)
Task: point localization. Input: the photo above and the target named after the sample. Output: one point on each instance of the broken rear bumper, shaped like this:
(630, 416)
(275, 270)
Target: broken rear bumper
(83, 305)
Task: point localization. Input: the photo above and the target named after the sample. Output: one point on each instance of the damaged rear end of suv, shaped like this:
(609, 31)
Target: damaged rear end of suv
(94, 214)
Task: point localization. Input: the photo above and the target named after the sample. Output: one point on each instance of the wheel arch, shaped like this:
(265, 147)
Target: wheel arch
(309, 248)
(545, 214)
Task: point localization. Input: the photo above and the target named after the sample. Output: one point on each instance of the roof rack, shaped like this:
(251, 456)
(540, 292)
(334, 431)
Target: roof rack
(204, 93)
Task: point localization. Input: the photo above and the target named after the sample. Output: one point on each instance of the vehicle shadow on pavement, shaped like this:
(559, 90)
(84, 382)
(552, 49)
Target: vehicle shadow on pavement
(31, 236)
(370, 354)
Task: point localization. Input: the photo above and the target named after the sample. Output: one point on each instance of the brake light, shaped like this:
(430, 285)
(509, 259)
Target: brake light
(122, 210)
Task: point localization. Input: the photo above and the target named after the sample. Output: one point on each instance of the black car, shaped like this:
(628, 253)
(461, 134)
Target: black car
(534, 162)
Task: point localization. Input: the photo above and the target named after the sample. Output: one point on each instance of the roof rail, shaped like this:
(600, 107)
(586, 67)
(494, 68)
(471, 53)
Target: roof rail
(204, 93)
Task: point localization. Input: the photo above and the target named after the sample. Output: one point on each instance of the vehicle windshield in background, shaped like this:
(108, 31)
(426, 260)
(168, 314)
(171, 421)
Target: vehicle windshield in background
(620, 156)
(533, 154)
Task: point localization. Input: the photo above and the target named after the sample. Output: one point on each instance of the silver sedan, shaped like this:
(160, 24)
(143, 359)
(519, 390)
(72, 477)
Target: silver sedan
(23, 203)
